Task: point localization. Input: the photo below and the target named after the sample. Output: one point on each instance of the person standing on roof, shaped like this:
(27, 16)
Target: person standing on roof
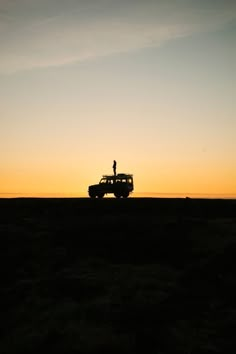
(114, 167)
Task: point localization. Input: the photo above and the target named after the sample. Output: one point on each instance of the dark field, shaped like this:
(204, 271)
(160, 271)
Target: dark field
(118, 276)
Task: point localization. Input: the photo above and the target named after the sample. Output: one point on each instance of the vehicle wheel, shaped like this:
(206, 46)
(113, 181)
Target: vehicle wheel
(117, 195)
(125, 194)
(92, 195)
(100, 195)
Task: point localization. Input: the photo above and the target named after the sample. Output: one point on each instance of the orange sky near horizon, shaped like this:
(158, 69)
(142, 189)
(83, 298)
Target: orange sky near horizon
(167, 179)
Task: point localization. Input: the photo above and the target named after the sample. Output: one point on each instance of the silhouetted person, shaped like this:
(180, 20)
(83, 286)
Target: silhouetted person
(114, 167)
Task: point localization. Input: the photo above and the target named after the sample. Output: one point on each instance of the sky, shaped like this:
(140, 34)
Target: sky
(149, 83)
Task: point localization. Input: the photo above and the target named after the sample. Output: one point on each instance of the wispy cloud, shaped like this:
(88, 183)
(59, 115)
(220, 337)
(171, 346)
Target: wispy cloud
(37, 34)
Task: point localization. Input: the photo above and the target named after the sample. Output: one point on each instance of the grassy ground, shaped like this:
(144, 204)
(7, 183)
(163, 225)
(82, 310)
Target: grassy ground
(118, 276)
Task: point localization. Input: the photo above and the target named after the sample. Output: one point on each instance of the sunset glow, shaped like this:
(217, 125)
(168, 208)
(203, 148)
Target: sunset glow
(151, 85)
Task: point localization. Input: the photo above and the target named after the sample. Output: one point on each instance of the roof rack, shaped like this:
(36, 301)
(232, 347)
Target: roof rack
(119, 175)
(124, 175)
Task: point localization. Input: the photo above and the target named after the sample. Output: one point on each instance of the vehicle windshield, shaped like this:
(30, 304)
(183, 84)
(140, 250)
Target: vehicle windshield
(106, 180)
(103, 180)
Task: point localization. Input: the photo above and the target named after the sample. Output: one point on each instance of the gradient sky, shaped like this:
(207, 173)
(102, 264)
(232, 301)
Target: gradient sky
(149, 83)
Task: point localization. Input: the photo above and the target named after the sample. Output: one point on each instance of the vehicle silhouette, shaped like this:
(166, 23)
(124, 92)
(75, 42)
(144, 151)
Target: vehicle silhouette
(121, 185)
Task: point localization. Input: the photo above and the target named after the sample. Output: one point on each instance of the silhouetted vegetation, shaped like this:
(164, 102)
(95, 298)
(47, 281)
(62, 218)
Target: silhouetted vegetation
(118, 275)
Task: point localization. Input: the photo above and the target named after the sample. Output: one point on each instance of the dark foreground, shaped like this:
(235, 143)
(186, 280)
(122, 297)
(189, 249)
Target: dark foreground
(118, 276)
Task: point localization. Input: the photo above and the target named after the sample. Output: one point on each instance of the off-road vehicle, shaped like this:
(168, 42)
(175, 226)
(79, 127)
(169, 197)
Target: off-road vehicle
(121, 185)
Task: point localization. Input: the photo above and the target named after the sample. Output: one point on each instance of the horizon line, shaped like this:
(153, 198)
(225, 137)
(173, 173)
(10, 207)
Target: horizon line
(134, 194)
